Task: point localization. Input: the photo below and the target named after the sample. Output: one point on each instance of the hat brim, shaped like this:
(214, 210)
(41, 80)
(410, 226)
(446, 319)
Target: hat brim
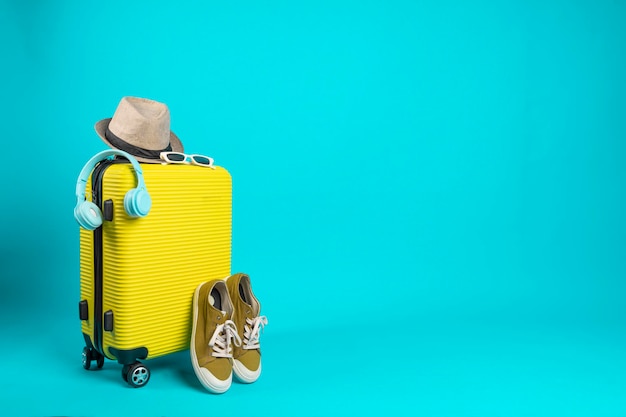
(101, 128)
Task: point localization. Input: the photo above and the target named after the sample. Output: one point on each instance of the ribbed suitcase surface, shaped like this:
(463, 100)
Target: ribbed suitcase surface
(152, 265)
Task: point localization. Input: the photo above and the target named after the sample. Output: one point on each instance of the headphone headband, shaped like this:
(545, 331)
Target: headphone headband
(100, 156)
(137, 201)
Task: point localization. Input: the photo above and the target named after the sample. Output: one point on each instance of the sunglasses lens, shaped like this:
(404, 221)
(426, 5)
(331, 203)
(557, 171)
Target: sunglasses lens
(202, 160)
(175, 157)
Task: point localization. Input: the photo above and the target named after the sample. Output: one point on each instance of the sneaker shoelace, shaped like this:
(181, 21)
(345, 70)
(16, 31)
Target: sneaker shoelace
(252, 330)
(221, 340)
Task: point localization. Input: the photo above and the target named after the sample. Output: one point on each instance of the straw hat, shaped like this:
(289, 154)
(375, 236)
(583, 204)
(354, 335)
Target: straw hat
(140, 127)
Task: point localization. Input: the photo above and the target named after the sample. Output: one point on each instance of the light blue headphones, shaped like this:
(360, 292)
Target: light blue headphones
(137, 202)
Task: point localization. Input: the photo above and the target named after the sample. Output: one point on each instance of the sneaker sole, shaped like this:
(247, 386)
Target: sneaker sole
(245, 375)
(207, 380)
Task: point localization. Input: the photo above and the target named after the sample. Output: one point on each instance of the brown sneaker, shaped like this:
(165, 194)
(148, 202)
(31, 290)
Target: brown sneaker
(212, 336)
(247, 356)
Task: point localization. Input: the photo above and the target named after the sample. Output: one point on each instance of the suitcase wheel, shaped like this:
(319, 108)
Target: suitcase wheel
(136, 374)
(99, 359)
(87, 358)
(90, 355)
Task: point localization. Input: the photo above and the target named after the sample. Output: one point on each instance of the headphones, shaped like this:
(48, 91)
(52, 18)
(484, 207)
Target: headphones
(137, 202)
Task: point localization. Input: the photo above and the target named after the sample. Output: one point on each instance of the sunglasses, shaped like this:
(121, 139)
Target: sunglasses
(181, 158)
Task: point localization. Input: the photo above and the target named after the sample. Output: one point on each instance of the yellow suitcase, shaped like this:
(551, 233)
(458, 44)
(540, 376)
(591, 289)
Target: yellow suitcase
(138, 275)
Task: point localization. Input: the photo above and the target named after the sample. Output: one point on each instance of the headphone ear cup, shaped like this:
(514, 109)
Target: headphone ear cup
(88, 215)
(137, 202)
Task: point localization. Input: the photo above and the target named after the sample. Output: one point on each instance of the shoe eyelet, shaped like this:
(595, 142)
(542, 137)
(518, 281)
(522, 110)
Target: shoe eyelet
(219, 317)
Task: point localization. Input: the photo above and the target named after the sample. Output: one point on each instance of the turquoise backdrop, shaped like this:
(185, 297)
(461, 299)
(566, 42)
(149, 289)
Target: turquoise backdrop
(428, 196)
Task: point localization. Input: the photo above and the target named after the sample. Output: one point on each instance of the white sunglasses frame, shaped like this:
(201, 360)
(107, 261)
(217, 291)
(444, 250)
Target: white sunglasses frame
(187, 161)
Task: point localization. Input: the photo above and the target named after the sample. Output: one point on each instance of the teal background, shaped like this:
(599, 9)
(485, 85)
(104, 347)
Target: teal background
(428, 196)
